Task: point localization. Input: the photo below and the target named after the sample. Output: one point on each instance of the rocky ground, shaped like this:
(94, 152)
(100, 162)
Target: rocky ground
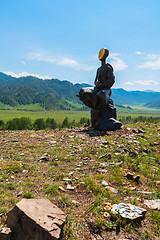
(80, 170)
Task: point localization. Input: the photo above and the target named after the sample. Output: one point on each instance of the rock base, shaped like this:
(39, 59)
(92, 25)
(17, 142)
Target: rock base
(105, 120)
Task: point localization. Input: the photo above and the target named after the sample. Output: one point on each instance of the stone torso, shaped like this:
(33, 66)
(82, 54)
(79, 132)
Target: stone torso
(105, 75)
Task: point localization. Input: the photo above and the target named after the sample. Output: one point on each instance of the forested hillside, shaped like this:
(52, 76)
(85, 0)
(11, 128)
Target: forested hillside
(61, 95)
(50, 94)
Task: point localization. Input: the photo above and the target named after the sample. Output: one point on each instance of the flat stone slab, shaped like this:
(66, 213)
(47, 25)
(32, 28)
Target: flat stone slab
(153, 204)
(128, 211)
(37, 219)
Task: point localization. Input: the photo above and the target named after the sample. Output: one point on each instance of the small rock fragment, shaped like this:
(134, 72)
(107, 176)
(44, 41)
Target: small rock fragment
(113, 190)
(108, 155)
(5, 233)
(75, 202)
(105, 143)
(146, 192)
(157, 182)
(153, 204)
(141, 131)
(129, 175)
(132, 188)
(67, 180)
(69, 187)
(137, 178)
(104, 183)
(43, 158)
(61, 189)
(19, 194)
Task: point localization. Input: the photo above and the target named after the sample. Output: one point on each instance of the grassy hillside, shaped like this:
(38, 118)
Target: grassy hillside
(88, 159)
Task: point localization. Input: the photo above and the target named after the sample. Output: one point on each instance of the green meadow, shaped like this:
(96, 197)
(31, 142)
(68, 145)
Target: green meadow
(59, 116)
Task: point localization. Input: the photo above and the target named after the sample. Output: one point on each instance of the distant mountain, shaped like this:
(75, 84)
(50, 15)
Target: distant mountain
(61, 95)
(154, 104)
(51, 94)
(121, 96)
(63, 88)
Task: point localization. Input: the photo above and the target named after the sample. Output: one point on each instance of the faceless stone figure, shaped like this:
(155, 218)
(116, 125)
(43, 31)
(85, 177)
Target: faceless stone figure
(104, 81)
(103, 112)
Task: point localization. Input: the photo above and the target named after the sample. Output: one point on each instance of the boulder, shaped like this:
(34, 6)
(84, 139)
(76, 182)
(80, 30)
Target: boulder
(37, 219)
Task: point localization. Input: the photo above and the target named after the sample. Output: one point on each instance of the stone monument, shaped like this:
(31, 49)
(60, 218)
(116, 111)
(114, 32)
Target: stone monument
(103, 112)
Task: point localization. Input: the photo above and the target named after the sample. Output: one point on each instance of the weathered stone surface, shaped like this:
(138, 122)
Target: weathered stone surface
(128, 211)
(153, 204)
(5, 233)
(36, 219)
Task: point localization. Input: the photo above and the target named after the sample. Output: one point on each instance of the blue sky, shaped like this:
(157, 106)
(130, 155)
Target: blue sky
(61, 39)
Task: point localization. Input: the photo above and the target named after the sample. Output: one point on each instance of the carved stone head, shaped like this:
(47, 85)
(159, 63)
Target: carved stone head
(103, 54)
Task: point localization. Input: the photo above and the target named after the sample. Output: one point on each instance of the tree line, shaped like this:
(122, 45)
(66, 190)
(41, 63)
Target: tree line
(50, 123)
(129, 119)
(40, 124)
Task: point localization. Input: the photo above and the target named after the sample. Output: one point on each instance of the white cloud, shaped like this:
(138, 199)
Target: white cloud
(23, 62)
(67, 61)
(139, 53)
(146, 82)
(152, 56)
(64, 61)
(153, 62)
(41, 56)
(129, 83)
(154, 65)
(25, 74)
(117, 63)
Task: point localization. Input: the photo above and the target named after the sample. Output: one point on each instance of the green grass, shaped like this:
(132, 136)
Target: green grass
(27, 195)
(5, 106)
(138, 110)
(59, 116)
